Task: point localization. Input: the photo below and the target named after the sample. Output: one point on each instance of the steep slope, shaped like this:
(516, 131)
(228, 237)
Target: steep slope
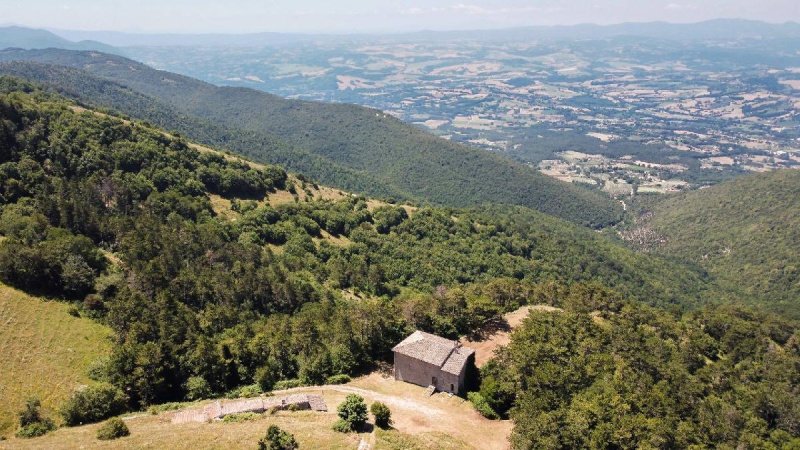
(745, 232)
(404, 160)
(45, 351)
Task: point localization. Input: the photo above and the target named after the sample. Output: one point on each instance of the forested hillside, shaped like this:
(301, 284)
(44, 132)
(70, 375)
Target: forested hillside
(118, 219)
(346, 141)
(745, 232)
(610, 374)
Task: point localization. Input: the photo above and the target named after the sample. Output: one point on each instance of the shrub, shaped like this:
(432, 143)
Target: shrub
(251, 390)
(113, 429)
(197, 388)
(74, 311)
(287, 384)
(93, 404)
(352, 414)
(36, 429)
(481, 405)
(277, 439)
(174, 406)
(31, 422)
(341, 426)
(241, 417)
(98, 369)
(382, 413)
(338, 379)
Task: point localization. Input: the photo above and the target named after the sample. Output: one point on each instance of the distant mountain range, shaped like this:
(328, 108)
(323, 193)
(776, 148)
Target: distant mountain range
(28, 38)
(720, 29)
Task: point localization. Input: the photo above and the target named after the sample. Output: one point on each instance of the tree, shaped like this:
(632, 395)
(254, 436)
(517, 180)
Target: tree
(352, 414)
(382, 413)
(277, 439)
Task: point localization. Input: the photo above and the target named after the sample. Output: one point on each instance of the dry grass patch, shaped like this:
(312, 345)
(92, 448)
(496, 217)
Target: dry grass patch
(46, 353)
(340, 241)
(420, 422)
(280, 198)
(312, 430)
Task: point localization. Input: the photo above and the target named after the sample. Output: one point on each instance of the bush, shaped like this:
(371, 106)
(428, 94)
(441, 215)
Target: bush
(277, 439)
(241, 417)
(74, 311)
(31, 422)
(173, 406)
(352, 414)
(36, 429)
(341, 426)
(382, 413)
(113, 429)
(197, 388)
(287, 384)
(248, 391)
(338, 379)
(93, 404)
(482, 406)
(98, 369)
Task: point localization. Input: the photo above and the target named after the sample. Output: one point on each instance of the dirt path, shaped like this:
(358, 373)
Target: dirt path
(413, 412)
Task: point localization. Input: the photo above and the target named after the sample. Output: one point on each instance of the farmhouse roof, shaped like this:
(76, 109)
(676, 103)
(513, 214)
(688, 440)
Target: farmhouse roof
(438, 351)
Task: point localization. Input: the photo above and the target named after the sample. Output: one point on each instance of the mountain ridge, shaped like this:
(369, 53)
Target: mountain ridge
(405, 160)
(715, 28)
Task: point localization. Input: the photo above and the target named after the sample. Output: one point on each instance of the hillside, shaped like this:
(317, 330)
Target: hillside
(398, 160)
(180, 249)
(28, 38)
(46, 353)
(744, 232)
(619, 375)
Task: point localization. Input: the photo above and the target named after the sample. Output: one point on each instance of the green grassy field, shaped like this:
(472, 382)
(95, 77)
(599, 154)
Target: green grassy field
(45, 353)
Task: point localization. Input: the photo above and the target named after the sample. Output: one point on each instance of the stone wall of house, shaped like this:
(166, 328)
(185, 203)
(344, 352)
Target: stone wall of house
(418, 372)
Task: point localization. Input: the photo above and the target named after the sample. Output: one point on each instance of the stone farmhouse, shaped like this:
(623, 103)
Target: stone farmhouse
(428, 360)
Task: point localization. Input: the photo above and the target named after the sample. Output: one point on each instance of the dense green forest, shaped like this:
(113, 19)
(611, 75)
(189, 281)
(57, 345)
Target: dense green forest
(605, 373)
(346, 146)
(744, 232)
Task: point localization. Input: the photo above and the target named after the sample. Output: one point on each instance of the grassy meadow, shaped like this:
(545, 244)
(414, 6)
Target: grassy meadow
(46, 353)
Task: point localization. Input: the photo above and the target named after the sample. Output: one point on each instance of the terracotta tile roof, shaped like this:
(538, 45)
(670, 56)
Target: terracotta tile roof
(435, 350)
(455, 363)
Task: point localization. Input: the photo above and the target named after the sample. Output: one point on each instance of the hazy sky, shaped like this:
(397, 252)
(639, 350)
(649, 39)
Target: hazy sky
(371, 15)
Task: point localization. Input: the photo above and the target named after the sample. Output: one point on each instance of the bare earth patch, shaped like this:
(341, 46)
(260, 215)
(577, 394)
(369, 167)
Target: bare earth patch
(501, 336)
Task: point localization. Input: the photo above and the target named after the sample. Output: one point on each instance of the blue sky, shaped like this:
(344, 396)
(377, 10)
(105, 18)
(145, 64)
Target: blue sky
(233, 16)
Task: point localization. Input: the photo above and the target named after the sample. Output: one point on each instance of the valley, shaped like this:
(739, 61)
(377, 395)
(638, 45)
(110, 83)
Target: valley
(694, 110)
